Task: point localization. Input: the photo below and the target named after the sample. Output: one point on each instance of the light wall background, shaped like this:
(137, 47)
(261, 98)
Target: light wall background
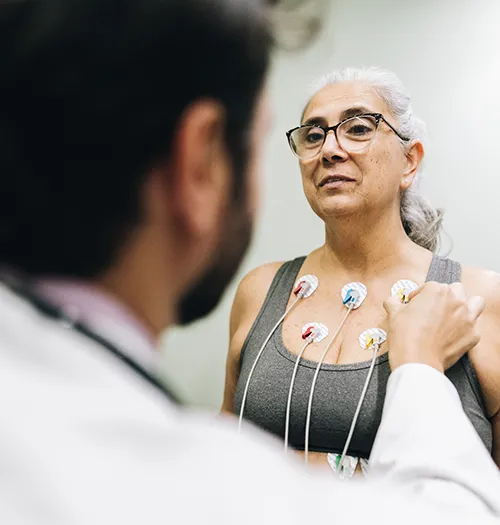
(447, 52)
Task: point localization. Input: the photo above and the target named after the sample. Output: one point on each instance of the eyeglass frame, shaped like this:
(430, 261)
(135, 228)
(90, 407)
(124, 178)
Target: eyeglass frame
(326, 129)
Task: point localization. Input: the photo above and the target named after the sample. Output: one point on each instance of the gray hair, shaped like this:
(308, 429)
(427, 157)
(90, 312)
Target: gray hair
(421, 221)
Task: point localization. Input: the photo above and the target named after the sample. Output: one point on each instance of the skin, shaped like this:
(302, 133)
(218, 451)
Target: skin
(185, 202)
(364, 241)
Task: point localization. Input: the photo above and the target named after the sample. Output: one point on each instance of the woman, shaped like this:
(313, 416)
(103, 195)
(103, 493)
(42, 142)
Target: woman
(360, 153)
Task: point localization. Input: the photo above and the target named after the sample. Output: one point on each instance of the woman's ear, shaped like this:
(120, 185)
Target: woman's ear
(414, 157)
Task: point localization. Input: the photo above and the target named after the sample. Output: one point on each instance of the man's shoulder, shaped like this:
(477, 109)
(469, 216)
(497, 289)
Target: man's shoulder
(61, 368)
(66, 379)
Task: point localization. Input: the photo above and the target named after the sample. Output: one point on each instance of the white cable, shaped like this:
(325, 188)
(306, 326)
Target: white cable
(289, 402)
(360, 403)
(313, 386)
(245, 393)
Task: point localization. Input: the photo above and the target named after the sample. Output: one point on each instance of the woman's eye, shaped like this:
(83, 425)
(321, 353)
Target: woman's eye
(314, 136)
(359, 129)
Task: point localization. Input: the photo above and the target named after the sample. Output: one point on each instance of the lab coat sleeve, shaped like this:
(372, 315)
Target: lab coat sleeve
(427, 445)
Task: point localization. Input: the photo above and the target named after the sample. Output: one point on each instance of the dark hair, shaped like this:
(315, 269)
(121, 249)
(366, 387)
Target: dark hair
(90, 95)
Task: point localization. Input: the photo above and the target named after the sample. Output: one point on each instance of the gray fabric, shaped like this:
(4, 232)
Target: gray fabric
(338, 386)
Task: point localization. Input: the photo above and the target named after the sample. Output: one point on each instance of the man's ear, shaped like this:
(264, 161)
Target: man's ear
(200, 171)
(190, 190)
(414, 157)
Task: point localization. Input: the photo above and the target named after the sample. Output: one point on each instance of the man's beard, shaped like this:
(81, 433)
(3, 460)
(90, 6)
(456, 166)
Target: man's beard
(207, 292)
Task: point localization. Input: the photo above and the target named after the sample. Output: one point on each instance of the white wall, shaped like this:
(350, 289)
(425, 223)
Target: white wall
(447, 52)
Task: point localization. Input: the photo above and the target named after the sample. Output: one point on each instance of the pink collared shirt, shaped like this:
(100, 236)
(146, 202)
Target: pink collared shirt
(104, 315)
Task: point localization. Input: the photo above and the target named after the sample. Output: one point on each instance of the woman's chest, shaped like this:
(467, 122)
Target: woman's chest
(342, 344)
(337, 390)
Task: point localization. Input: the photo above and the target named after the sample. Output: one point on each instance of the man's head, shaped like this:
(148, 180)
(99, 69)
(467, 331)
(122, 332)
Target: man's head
(129, 138)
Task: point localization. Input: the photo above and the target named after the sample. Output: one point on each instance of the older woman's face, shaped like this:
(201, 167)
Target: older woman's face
(338, 183)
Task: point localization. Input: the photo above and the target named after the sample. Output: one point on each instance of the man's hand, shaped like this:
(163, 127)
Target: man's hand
(436, 328)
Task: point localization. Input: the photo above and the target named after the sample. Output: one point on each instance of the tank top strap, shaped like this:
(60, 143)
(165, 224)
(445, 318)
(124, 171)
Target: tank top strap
(275, 303)
(444, 270)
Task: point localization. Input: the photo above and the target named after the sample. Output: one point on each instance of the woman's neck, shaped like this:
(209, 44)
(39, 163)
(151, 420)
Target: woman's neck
(368, 247)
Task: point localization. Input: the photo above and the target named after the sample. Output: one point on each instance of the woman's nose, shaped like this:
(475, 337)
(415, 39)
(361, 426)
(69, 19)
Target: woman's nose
(332, 151)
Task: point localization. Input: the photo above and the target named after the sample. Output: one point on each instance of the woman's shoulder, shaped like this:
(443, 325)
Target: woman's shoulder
(256, 283)
(486, 356)
(481, 281)
(260, 277)
(251, 292)
(485, 283)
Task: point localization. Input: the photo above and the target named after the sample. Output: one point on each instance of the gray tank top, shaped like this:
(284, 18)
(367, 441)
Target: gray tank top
(338, 386)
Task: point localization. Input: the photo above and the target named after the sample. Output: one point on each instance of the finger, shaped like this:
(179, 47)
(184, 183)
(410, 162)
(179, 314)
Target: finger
(414, 294)
(476, 306)
(458, 291)
(393, 305)
(472, 343)
(420, 289)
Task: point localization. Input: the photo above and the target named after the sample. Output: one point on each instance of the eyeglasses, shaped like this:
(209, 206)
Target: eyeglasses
(353, 135)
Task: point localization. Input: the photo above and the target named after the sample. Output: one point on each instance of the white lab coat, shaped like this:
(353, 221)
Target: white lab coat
(84, 440)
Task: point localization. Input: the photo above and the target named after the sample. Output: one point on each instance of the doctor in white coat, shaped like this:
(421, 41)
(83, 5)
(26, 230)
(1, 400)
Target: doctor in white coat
(130, 138)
